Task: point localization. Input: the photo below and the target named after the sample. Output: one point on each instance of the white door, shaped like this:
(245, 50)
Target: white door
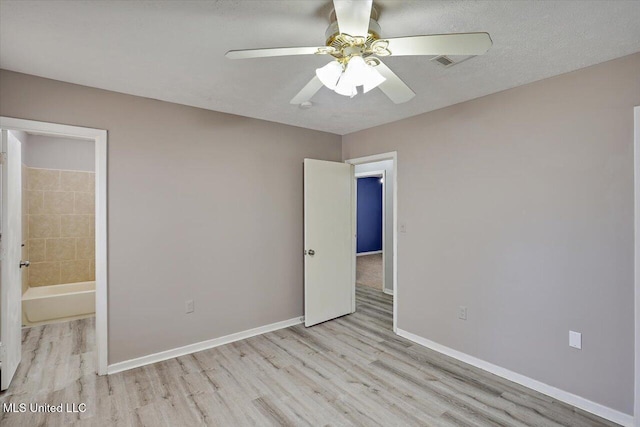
(328, 241)
(10, 259)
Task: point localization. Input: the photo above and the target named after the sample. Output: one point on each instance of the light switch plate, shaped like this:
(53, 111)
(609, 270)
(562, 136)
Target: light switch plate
(575, 340)
(403, 227)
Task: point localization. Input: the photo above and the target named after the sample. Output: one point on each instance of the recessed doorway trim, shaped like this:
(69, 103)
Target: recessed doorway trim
(99, 136)
(376, 158)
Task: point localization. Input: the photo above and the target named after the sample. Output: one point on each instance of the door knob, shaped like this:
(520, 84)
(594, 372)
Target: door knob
(312, 252)
(24, 264)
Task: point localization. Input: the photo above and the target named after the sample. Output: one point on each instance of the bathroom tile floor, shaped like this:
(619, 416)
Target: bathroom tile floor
(349, 371)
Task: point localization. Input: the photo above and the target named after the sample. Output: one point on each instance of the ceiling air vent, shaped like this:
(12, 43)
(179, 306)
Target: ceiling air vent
(443, 60)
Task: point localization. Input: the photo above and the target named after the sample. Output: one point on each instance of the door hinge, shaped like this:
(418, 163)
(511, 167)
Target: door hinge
(3, 158)
(2, 352)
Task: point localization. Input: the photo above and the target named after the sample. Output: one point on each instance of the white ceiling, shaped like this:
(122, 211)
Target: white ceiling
(174, 51)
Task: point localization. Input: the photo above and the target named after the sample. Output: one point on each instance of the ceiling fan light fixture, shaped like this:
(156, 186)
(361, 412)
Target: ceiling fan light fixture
(353, 40)
(329, 74)
(345, 86)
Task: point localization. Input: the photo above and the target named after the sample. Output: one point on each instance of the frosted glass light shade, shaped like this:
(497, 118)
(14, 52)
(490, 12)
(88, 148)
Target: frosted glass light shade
(346, 87)
(350, 79)
(329, 74)
(356, 69)
(363, 74)
(372, 79)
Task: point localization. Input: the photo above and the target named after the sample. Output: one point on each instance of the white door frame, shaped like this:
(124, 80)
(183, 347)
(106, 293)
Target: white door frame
(98, 136)
(376, 158)
(383, 175)
(636, 115)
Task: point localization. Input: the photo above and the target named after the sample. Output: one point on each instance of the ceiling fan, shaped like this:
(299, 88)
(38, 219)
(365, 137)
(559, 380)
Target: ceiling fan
(353, 41)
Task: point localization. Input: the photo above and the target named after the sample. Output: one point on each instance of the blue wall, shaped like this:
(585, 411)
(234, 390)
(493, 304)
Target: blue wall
(369, 215)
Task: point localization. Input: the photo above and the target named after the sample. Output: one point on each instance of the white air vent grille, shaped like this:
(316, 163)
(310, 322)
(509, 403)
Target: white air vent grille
(443, 60)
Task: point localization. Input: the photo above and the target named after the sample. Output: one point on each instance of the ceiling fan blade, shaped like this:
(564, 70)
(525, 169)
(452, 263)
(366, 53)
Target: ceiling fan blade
(393, 87)
(440, 44)
(278, 51)
(308, 91)
(353, 16)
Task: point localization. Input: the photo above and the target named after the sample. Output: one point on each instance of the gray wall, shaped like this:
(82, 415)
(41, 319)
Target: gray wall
(50, 152)
(387, 166)
(202, 205)
(519, 205)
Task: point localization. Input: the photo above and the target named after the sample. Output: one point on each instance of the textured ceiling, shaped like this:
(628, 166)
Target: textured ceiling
(174, 51)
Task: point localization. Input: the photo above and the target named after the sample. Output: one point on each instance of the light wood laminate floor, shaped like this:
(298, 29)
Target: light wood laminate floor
(349, 371)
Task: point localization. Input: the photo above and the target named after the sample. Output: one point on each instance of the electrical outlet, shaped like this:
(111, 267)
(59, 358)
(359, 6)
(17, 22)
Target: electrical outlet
(189, 306)
(575, 340)
(462, 312)
(403, 227)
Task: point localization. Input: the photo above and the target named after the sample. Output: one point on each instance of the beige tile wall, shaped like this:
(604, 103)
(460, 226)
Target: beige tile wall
(60, 208)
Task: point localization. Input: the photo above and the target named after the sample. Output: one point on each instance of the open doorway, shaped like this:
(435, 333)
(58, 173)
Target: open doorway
(56, 192)
(376, 240)
(58, 211)
(370, 236)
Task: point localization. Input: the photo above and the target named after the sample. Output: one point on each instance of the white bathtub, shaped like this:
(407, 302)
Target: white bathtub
(58, 302)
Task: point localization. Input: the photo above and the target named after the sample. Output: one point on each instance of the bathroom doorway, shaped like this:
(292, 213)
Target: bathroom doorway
(58, 216)
(63, 237)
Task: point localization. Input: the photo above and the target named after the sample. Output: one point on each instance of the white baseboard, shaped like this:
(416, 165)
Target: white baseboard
(369, 253)
(564, 396)
(387, 291)
(199, 346)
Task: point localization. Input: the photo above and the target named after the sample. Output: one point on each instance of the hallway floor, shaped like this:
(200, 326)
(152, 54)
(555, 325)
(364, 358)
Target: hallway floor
(369, 271)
